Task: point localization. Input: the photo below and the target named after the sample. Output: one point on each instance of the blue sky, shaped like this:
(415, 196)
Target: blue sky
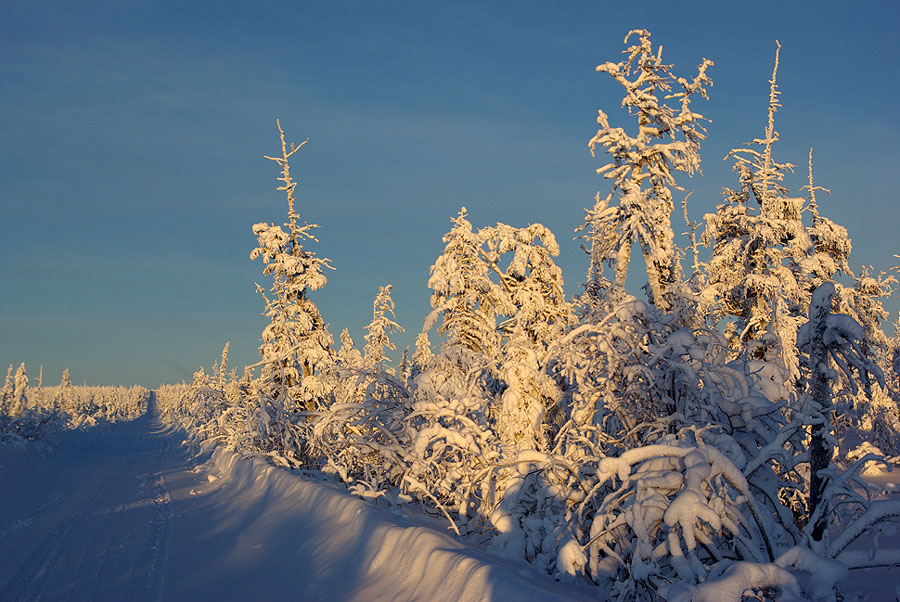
(132, 137)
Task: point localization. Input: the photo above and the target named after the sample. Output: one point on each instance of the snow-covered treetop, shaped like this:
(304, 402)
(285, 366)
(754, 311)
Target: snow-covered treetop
(289, 183)
(462, 291)
(668, 138)
(532, 282)
(287, 261)
(831, 240)
(839, 334)
(475, 282)
(282, 252)
(644, 76)
(767, 174)
(380, 327)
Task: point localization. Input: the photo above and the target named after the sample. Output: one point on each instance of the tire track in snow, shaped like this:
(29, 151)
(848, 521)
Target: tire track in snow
(27, 583)
(160, 535)
(105, 533)
(27, 520)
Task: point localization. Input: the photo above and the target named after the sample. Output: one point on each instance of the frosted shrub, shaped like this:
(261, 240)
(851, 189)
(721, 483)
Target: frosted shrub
(449, 432)
(529, 512)
(359, 436)
(86, 406)
(363, 441)
(230, 418)
(666, 512)
(880, 424)
(616, 402)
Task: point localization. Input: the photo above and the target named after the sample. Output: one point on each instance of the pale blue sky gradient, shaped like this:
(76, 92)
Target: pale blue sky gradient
(132, 137)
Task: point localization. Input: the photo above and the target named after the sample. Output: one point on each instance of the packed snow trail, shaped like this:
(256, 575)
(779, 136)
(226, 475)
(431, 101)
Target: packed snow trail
(128, 512)
(90, 519)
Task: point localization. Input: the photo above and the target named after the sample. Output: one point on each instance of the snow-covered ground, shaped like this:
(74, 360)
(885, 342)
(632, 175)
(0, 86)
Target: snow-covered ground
(128, 511)
(883, 583)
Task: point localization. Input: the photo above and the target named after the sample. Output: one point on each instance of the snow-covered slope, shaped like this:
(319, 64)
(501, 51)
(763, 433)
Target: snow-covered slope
(128, 512)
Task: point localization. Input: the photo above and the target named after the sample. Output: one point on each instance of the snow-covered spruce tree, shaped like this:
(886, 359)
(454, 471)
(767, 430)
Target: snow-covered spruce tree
(405, 367)
(296, 348)
(386, 401)
(463, 295)
(422, 353)
(347, 368)
(882, 419)
(60, 401)
(668, 138)
(538, 314)
(868, 408)
(518, 494)
(20, 387)
(830, 240)
(488, 373)
(222, 376)
(754, 271)
(828, 339)
(449, 428)
(379, 329)
(615, 395)
(766, 262)
(866, 415)
(861, 413)
(6, 392)
(862, 299)
(638, 376)
(333, 434)
(200, 378)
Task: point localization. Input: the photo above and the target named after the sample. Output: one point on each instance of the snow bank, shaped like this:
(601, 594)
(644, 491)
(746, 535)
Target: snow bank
(349, 549)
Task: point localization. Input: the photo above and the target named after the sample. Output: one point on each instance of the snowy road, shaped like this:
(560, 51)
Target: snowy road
(91, 519)
(127, 512)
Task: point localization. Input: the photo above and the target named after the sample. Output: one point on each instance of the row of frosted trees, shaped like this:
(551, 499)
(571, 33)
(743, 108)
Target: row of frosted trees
(686, 446)
(31, 412)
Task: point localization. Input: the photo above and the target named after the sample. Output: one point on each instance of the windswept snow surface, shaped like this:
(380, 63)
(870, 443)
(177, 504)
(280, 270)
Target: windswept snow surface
(128, 511)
